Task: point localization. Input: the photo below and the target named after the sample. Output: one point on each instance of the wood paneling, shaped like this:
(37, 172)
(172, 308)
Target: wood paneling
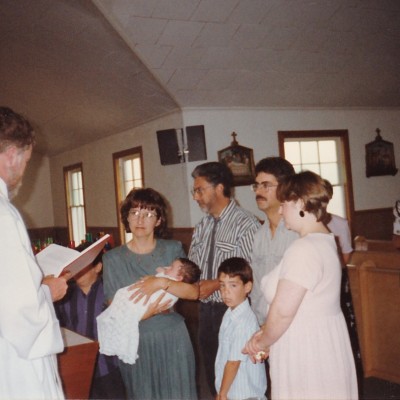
(374, 224)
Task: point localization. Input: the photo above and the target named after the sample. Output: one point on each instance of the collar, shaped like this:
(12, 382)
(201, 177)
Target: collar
(3, 189)
(226, 211)
(240, 309)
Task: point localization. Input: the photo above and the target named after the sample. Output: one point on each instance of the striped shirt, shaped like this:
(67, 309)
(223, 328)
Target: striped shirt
(267, 252)
(233, 238)
(237, 327)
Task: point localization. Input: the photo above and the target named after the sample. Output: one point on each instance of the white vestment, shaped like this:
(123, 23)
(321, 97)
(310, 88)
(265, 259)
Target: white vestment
(30, 335)
(118, 325)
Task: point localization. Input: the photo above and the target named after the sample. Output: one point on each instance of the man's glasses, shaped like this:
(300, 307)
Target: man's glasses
(146, 214)
(262, 185)
(200, 190)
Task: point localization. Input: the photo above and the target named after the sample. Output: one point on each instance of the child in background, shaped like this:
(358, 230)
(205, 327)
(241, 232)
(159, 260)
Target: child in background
(118, 326)
(77, 311)
(236, 377)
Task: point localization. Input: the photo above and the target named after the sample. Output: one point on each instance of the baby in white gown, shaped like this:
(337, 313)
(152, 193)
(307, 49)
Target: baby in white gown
(118, 325)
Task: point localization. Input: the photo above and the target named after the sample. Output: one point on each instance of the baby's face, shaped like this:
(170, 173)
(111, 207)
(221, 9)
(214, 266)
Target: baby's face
(174, 270)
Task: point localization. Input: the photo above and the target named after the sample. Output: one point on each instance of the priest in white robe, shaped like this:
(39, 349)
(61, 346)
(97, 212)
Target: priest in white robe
(30, 335)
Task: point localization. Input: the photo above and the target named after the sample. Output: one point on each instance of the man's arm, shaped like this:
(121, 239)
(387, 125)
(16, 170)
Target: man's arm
(230, 371)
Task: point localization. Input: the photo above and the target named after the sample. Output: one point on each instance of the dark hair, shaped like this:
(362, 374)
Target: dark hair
(99, 257)
(329, 188)
(310, 188)
(148, 199)
(276, 166)
(190, 272)
(14, 130)
(236, 266)
(215, 173)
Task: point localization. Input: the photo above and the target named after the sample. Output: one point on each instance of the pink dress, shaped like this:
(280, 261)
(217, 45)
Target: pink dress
(313, 358)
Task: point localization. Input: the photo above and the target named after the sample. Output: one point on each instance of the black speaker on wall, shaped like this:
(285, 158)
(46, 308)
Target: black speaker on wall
(176, 146)
(196, 143)
(168, 147)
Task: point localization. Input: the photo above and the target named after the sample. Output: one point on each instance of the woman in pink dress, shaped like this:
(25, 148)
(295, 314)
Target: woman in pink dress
(305, 334)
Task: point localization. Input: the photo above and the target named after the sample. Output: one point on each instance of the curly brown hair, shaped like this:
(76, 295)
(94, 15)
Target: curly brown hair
(14, 130)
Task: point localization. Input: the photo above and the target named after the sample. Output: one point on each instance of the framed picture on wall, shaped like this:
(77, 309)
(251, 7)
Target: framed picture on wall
(379, 157)
(240, 161)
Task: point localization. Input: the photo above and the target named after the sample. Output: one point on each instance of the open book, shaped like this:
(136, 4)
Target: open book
(56, 259)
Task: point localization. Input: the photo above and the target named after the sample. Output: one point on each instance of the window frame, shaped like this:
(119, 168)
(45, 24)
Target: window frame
(66, 171)
(117, 182)
(343, 136)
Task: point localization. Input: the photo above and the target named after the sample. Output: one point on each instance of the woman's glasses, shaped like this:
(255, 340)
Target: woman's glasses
(145, 214)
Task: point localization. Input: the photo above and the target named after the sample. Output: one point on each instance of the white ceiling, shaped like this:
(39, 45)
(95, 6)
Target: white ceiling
(82, 70)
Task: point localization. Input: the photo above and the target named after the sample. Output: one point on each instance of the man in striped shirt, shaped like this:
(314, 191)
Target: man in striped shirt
(226, 231)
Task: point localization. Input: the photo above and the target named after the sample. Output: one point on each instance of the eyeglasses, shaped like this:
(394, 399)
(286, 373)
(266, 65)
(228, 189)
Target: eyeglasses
(262, 185)
(146, 214)
(200, 190)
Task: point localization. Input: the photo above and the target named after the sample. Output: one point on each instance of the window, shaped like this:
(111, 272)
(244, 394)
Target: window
(75, 200)
(327, 154)
(128, 172)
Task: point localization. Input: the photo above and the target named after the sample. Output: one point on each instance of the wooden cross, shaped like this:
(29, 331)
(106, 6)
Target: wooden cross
(234, 142)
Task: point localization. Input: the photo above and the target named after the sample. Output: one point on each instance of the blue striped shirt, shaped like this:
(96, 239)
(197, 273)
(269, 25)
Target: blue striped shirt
(237, 327)
(233, 238)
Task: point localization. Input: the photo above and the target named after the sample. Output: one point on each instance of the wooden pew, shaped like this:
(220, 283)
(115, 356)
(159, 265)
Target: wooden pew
(375, 286)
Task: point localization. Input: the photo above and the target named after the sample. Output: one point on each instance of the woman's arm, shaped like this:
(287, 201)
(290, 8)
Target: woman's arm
(150, 284)
(285, 304)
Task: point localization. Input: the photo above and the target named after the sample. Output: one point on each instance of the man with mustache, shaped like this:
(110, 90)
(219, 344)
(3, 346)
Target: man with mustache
(272, 238)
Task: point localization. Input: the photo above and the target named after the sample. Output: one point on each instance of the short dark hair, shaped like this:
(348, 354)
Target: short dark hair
(311, 189)
(14, 130)
(216, 173)
(148, 199)
(236, 266)
(190, 272)
(276, 166)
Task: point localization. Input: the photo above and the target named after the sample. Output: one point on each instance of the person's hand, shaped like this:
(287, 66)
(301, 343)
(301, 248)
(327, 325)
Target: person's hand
(157, 307)
(207, 288)
(145, 287)
(58, 286)
(254, 348)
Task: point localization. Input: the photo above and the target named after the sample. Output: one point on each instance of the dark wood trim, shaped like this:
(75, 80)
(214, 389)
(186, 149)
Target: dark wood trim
(115, 160)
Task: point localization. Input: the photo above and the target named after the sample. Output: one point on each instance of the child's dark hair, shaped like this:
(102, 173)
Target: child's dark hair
(190, 271)
(236, 266)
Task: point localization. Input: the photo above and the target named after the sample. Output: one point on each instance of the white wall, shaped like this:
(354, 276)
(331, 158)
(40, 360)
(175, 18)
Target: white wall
(34, 199)
(256, 129)
(98, 175)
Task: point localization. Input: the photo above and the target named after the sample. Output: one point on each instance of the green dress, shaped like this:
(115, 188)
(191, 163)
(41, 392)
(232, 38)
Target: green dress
(165, 368)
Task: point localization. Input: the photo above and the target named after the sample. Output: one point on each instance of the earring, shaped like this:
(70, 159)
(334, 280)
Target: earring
(301, 213)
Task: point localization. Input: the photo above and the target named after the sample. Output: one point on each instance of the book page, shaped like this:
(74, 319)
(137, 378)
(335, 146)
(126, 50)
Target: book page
(56, 259)
(53, 259)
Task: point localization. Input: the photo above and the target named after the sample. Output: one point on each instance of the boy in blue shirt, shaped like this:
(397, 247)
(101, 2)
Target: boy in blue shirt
(236, 377)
